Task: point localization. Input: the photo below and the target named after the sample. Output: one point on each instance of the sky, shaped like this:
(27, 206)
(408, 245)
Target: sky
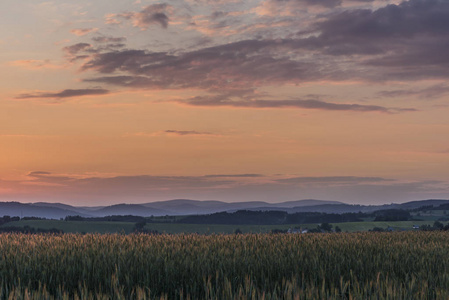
(105, 102)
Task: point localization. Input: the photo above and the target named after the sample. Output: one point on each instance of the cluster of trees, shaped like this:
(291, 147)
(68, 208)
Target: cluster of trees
(238, 218)
(127, 218)
(25, 229)
(325, 227)
(437, 225)
(392, 215)
(139, 227)
(249, 217)
(7, 219)
(422, 208)
(30, 230)
(315, 217)
(444, 206)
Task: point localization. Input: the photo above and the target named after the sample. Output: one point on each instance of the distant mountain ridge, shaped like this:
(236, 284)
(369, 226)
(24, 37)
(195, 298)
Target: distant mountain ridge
(43, 210)
(186, 206)
(194, 207)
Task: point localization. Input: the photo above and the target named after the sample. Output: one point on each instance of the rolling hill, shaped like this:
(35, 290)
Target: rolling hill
(194, 207)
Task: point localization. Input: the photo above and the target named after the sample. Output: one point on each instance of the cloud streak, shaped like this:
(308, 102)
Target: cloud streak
(187, 132)
(426, 93)
(303, 104)
(68, 93)
(35, 64)
(109, 39)
(83, 31)
(331, 180)
(226, 181)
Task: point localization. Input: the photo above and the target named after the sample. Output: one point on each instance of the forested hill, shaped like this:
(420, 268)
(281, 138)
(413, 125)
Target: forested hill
(183, 207)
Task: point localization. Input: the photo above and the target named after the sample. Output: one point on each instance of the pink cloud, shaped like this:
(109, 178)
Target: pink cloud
(82, 31)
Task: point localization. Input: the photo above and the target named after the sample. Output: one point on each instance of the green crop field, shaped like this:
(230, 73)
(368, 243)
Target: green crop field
(75, 226)
(127, 227)
(176, 228)
(370, 265)
(395, 225)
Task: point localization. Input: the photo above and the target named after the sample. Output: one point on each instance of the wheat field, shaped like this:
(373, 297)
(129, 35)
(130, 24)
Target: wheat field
(402, 265)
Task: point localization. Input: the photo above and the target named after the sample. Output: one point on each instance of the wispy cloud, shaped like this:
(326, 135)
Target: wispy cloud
(171, 132)
(34, 64)
(109, 39)
(187, 132)
(69, 93)
(298, 103)
(82, 31)
(431, 92)
(331, 180)
(74, 49)
(235, 176)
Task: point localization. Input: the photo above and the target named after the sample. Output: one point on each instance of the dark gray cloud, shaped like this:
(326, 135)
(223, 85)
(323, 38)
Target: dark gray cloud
(218, 14)
(109, 39)
(239, 65)
(38, 173)
(408, 41)
(74, 49)
(85, 50)
(397, 41)
(48, 177)
(154, 14)
(392, 38)
(426, 93)
(226, 68)
(405, 38)
(187, 132)
(423, 58)
(69, 93)
(301, 3)
(325, 3)
(406, 20)
(223, 100)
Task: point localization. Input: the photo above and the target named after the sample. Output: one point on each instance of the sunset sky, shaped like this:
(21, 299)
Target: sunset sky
(106, 102)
